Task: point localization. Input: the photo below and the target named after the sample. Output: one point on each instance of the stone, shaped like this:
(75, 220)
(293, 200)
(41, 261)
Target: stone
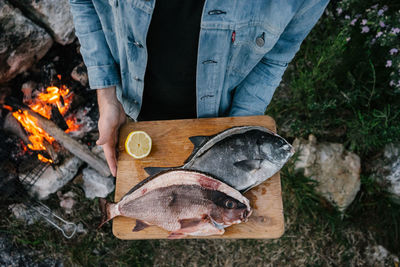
(79, 74)
(22, 43)
(386, 169)
(23, 213)
(80, 229)
(336, 170)
(96, 185)
(15, 255)
(52, 179)
(379, 256)
(67, 201)
(54, 16)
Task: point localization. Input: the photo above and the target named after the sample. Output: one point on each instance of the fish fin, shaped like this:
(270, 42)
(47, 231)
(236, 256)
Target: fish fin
(105, 211)
(154, 170)
(199, 140)
(249, 164)
(140, 225)
(176, 235)
(186, 223)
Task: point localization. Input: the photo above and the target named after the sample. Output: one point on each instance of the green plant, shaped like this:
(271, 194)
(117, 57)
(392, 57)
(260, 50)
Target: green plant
(338, 85)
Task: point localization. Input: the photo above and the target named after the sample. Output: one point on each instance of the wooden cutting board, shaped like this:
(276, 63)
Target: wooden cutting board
(171, 147)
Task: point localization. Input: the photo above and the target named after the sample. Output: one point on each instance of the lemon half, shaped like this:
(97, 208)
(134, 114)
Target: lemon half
(138, 144)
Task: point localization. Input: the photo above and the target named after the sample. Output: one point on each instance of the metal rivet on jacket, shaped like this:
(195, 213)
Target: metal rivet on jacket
(260, 40)
(137, 44)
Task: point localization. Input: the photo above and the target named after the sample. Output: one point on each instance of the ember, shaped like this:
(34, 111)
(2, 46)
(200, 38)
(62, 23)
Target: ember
(42, 104)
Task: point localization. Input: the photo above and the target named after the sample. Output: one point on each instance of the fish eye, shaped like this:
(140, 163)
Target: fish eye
(230, 204)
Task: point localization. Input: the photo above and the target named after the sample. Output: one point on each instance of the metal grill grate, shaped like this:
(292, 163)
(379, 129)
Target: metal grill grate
(68, 229)
(31, 177)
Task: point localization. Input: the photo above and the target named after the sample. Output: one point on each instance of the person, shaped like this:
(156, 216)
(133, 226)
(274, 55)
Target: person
(183, 59)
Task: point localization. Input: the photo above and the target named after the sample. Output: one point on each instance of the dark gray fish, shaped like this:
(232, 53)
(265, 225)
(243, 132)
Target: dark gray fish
(243, 157)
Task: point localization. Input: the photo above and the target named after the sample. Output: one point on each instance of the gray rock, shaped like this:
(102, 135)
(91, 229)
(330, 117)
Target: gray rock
(80, 229)
(54, 16)
(336, 170)
(25, 214)
(22, 42)
(11, 255)
(53, 179)
(378, 255)
(67, 201)
(79, 74)
(387, 169)
(96, 185)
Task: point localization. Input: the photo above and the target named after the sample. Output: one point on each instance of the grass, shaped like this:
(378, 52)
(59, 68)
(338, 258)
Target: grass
(339, 92)
(96, 248)
(315, 234)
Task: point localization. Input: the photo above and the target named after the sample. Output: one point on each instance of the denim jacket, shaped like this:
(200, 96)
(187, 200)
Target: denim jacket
(244, 48)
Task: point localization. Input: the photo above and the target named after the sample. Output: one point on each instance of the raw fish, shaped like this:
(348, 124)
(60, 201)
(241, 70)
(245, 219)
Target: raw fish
(184, 202)
(242, 157)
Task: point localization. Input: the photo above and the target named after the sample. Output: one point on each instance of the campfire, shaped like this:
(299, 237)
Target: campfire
(47, 122)
(54, 101)
(48, 131)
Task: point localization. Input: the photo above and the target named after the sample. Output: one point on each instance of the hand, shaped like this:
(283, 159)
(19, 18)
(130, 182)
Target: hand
(112, 116)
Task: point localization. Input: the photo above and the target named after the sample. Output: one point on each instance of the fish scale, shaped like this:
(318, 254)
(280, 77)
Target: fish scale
(185, 202)
(242, 157)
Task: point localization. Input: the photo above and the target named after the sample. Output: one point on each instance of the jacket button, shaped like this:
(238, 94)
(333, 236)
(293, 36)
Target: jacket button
(136, 78)
(260, 40)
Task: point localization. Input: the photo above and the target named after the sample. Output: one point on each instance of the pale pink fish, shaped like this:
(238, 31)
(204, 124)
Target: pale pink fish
(184, 202)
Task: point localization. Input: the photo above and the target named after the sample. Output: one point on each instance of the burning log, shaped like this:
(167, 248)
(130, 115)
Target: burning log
(58, 118)
(66, 141)
(50, 150)
(13, 126)
(72, 145)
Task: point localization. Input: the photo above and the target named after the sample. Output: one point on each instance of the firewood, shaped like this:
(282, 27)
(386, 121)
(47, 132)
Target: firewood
(76, 148)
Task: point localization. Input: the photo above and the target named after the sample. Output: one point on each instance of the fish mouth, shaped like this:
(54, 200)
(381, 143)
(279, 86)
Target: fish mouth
(245, 215)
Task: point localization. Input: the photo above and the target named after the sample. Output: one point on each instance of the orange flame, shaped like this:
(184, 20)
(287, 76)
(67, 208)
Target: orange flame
(62, 98)
(8, 107)
(41, 158)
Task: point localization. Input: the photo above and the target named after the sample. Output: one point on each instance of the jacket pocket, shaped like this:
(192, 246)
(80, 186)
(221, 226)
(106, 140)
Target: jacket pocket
(249, 45)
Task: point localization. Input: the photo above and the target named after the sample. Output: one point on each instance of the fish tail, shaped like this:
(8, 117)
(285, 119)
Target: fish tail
(105, 208)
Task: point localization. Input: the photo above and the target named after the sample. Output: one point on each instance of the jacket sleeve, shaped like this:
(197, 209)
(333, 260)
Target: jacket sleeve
(254, 93)
(102, 69)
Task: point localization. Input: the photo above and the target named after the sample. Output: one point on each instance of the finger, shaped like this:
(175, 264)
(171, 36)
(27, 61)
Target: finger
(110, 155)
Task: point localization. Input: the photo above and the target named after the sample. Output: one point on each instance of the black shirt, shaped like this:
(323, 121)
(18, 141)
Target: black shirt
(172, 42)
